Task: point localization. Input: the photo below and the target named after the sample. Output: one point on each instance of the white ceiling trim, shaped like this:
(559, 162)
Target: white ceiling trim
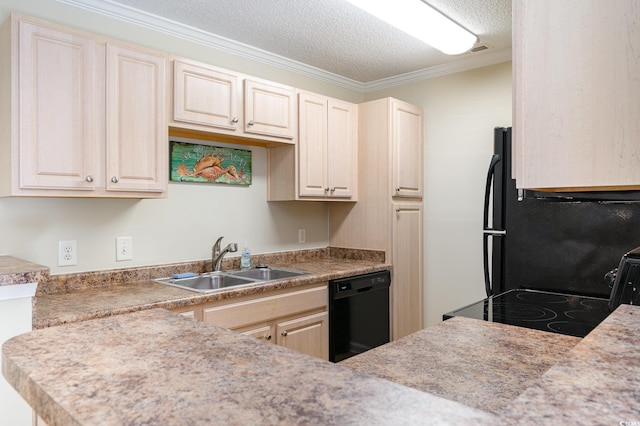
(185, 32)
(459, 65)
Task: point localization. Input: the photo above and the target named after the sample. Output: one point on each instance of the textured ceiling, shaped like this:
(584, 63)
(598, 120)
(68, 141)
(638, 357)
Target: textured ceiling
(331, 35)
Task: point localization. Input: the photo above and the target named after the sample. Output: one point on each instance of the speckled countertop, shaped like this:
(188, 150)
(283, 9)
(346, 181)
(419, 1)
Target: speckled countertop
(156, 367)
(596, 383)
(477, 363)
(138, 293)
(15, 271)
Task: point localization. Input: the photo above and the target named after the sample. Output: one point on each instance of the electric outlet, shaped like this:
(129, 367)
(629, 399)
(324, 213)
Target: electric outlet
(124, 249)
(302, 235)
(67, 253)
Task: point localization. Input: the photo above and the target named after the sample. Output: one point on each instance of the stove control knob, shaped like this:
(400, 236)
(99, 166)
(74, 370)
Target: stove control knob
(610, 277)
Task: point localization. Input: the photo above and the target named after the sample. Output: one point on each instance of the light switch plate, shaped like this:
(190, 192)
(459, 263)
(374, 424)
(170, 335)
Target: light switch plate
(124, 249)
(302, 236)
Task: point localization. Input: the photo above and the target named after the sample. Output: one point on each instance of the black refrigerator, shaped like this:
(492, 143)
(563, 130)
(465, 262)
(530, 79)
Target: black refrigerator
(546, 254)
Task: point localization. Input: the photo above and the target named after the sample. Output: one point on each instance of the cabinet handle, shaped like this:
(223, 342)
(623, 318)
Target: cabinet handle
(284, 333)
(397, 189)
(397, 210)
(250, 123)
(267, 337)
(333, 190)
(235, 120)
(89, 178)
(326, 190)
(114, 179)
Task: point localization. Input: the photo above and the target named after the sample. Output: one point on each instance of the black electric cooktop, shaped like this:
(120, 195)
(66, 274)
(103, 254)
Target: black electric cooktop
(540, 310)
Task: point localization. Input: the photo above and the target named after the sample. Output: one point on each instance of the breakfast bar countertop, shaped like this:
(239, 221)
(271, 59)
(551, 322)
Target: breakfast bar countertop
(157, 367)
(481, 364)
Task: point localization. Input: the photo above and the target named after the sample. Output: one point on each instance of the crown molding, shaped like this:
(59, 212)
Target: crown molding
(175, 29)
(467, 63)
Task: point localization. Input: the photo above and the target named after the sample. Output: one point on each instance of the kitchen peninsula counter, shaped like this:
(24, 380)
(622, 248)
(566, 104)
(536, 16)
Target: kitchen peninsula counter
(139, 292)
(481, 364)
(157, 367)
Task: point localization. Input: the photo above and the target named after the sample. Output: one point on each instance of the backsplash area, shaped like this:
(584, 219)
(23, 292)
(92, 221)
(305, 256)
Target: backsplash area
(69, 282)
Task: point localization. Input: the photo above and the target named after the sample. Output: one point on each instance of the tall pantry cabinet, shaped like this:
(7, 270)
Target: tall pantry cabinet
(388, 214)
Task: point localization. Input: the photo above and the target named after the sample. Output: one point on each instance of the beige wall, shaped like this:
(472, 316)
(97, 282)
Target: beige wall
(460, 111)
(182, 227)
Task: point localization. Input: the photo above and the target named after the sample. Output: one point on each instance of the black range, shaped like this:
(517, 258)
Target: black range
(540, 310)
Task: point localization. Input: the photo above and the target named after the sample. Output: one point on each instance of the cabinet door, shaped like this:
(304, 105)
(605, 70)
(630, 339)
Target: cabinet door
(308, 334)
(342, 149)
(205, 95)
(264, 332)
(269, 109)
(312, 146)
(406, 286)
(57, 101)
(136, 129)
(406, 145)
(576, 91)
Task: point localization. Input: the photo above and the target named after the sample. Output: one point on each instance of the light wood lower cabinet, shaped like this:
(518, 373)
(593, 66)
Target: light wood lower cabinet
(296, 319)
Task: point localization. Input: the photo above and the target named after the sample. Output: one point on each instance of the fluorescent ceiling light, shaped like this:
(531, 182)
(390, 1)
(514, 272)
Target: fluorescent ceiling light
(421, 21)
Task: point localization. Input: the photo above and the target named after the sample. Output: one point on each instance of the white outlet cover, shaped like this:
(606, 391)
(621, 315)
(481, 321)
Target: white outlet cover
(67, 253)
(124, 249)
(302, 236)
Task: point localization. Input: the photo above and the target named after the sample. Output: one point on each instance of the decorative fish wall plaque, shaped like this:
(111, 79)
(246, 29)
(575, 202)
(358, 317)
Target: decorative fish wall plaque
(209, 164)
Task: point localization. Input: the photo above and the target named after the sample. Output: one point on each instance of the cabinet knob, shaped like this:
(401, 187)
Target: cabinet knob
(114, 179)
(235, 120)
(333, 190)
(250, 123)
(326, 190)
(284, 333)
(267, 337)
(397, 189)
(89, 178)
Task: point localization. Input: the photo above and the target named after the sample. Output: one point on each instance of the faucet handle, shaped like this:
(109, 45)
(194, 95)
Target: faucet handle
(216, 247)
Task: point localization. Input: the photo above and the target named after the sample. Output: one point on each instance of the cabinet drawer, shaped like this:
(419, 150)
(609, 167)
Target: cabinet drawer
(238, 314)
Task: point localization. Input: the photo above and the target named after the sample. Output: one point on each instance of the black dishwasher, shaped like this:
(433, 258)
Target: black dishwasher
(358, 314)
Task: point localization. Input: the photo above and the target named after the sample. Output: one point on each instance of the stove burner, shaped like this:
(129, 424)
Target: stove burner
(542, 297)
(572, 328)
(513, 312)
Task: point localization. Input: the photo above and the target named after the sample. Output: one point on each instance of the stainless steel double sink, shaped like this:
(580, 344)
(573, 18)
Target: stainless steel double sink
(211, 281)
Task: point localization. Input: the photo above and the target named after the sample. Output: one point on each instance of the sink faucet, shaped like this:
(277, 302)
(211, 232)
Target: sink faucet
(217, 255)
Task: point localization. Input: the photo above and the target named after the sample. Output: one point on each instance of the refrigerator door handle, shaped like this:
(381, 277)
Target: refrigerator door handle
(487, 232)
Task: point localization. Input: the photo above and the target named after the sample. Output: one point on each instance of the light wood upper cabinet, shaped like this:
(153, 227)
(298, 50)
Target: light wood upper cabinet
(406, 154)
(576, 91)
(323, 166)
(136, 129)
(215, 104)
(55, 141)
(269, 109)
(205, 95)
(342, 149)
(81, 116)
(312, 146)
